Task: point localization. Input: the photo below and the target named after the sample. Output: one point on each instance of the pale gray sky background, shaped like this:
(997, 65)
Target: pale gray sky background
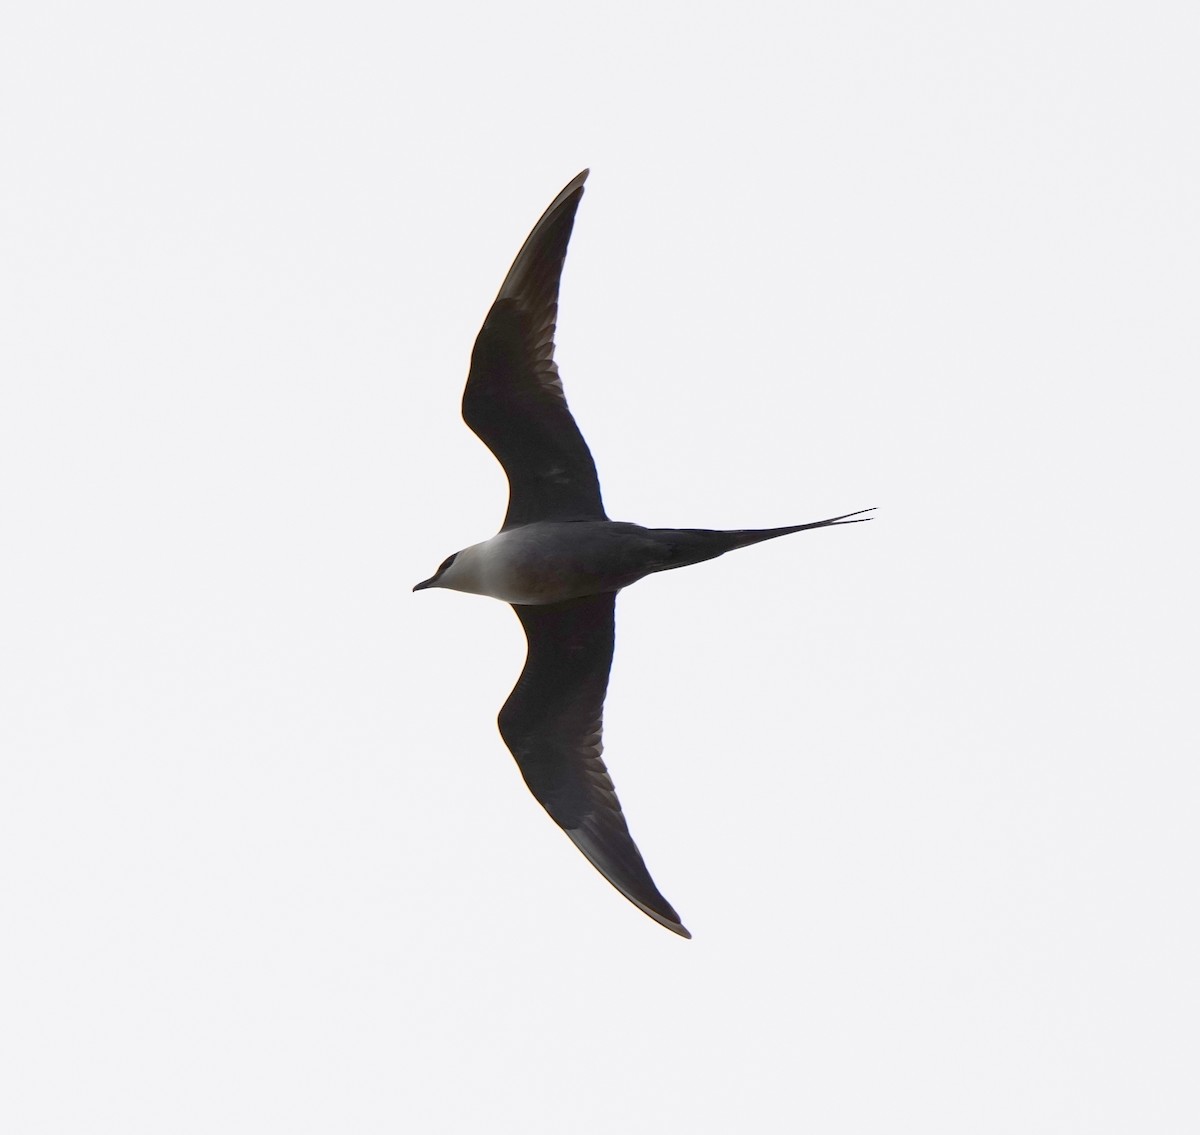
(924, 790)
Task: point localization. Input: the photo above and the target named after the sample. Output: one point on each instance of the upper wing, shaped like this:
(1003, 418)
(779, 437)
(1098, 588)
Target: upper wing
(514, 399)
(552, 722)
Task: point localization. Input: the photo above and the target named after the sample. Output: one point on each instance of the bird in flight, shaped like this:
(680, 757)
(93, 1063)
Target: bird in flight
(560, 561)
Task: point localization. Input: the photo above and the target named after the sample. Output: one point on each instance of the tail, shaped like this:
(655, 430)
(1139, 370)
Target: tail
(686, 546)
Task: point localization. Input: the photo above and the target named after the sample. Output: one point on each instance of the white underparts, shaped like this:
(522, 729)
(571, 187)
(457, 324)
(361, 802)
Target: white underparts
(548, 562)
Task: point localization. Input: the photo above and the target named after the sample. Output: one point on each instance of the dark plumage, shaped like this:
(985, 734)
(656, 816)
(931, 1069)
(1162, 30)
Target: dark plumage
(560, 561)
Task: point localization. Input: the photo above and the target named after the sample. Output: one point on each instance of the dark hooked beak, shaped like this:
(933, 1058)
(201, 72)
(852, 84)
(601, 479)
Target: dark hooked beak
(424, 584)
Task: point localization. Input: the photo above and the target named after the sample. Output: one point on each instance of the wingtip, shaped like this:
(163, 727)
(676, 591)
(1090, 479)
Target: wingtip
(670, 921)
(672, 924)
(576, 183)
(574, 186)
(550, 251)
(632, 881)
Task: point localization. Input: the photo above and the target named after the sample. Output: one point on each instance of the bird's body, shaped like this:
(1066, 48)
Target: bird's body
(560, 561)
(550, 561)
(553, 560)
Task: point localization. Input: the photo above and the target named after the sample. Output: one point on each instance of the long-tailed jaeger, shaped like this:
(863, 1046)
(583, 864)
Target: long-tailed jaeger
(560, 561)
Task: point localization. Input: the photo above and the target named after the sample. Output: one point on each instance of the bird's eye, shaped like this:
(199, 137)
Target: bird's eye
(446, 563)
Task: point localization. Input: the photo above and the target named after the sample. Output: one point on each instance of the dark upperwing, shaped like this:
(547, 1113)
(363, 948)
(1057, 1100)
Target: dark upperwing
(514, 398)
(553, 721)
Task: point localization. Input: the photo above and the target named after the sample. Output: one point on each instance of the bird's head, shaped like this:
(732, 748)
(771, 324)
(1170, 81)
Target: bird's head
(435, 580)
